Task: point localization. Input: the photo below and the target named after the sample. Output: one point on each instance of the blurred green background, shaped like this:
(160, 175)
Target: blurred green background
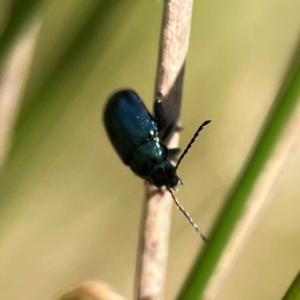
(70, 210)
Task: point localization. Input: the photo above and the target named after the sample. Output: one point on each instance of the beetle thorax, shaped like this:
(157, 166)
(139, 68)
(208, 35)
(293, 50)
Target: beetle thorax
(150, 161)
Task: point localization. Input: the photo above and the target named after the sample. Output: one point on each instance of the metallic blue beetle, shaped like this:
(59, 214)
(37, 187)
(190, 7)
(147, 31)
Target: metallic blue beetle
(133, 131)
(134, 134)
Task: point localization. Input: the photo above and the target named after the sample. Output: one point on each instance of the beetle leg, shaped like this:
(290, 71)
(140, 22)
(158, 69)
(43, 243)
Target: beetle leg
(178, 128)
(169, 130)
(173, 153)
(159, 114)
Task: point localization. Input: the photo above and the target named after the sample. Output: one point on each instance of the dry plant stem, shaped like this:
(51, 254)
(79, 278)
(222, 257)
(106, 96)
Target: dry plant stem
(170, 70)
(91, 290)
(12, 82)
(258, 202)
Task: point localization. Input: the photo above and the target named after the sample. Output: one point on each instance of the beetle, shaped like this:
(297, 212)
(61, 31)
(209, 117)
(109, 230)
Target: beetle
(133, 132)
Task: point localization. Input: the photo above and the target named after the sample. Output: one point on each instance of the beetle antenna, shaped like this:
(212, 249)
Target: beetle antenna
(180, 207)
(189, 145)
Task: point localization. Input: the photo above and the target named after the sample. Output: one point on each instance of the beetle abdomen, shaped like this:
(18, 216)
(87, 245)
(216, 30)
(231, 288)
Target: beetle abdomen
(128, 123)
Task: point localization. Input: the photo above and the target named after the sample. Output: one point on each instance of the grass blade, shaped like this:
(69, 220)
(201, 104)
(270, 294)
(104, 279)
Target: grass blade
(274, 147)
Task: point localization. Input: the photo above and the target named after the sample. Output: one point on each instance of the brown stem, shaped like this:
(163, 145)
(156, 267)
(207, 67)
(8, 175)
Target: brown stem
(156, 223)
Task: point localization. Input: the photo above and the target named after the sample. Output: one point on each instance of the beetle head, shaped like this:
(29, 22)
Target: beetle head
(164, 174)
